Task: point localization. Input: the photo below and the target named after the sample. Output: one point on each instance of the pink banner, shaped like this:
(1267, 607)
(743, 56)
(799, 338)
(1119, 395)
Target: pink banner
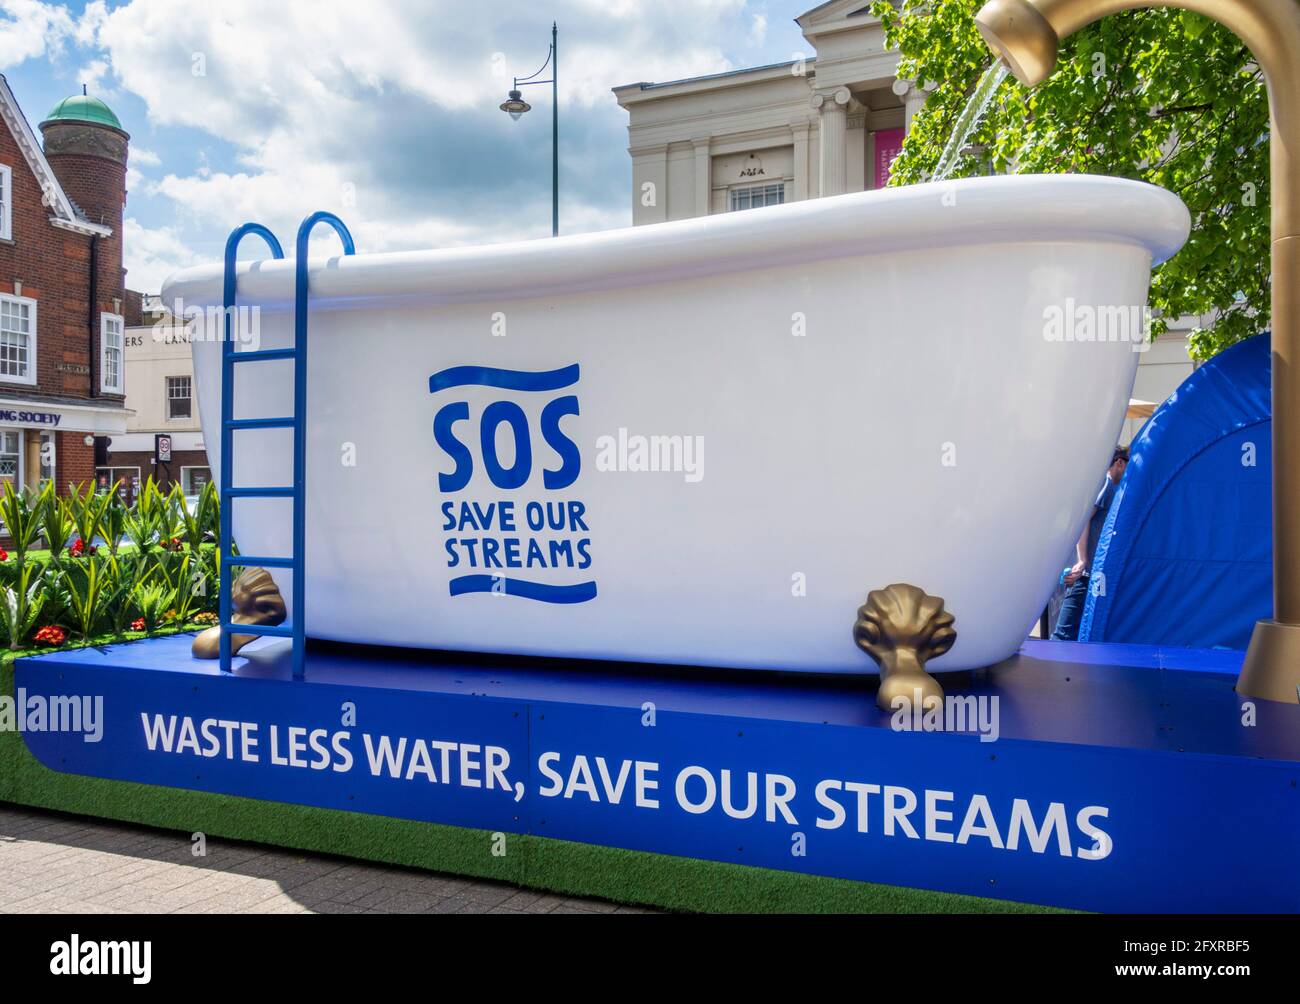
(888, 143)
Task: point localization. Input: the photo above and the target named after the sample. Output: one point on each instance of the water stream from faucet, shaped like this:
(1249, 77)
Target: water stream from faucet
(969, 120)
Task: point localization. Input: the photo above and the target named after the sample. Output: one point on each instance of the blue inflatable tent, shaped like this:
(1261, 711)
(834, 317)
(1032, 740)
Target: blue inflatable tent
(1185, 557)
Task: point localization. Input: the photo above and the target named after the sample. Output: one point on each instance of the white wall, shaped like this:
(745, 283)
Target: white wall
(1162, 368)
(154, 353)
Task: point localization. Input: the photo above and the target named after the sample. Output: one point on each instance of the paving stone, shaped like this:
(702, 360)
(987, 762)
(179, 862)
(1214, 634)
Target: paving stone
(490, 895)
(406, 902)
(51, 863)
(545, 903)
(591, 905)
(521, 900)
(453, 904)
(245, 899)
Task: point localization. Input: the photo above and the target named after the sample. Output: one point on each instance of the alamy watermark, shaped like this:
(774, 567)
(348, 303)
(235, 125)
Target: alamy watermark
(955, 713)
(1075, 322)
(75, 957)
(636, 453)
(208, 324)
(57, 713)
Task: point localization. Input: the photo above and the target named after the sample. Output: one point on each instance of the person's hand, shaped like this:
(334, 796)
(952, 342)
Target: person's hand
(1077, 570)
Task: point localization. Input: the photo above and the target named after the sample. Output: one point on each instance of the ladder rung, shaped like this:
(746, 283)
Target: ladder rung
(271, 630)
(282, 492)
(263, 355)
(253, 561)
(260, 423)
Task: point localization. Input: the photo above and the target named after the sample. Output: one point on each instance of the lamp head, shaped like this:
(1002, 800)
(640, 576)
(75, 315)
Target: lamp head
(1021, 36)
(515, 105)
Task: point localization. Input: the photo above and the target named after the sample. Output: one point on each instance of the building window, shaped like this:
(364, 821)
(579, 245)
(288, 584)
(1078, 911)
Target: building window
(111, 372)
(194, 478)
(17, 339)
(127, 480)
(11, 457)
(753, 196)
(6, 203)
(178, 398)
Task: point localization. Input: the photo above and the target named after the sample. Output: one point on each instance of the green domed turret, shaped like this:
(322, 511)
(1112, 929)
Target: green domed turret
(83, 108)
(79, 127)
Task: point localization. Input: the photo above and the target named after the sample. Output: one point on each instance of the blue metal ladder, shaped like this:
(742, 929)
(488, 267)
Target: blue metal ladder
(297, 626)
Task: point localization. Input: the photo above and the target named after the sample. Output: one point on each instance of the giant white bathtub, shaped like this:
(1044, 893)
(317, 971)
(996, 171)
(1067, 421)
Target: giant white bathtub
(880, 389)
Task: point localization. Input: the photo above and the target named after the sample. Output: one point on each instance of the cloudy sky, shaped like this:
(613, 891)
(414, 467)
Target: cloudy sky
(384, 111)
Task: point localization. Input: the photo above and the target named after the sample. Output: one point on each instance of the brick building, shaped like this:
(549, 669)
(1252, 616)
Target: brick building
(63, 303)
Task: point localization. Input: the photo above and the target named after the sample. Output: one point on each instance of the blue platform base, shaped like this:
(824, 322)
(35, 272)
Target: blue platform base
(1121, 778)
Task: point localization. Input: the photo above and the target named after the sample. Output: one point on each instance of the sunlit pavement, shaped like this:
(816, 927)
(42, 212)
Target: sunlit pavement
(55, 863)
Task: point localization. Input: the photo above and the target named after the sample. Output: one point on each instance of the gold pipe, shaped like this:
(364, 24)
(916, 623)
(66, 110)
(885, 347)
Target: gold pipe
(1026, 35)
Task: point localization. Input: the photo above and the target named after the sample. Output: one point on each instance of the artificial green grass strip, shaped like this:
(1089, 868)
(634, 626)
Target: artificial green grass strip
(559, 866)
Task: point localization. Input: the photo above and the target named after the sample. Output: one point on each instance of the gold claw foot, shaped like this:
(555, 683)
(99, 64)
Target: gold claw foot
(901, 627)
(254, 599)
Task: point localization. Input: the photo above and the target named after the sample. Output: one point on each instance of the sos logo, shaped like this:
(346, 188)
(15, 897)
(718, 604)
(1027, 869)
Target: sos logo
(547, 445)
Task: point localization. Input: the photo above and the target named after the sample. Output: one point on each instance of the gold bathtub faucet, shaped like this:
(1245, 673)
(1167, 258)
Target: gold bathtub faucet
(1026, 35)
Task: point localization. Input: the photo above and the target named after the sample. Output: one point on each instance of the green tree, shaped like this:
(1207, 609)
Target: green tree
(1162, 96)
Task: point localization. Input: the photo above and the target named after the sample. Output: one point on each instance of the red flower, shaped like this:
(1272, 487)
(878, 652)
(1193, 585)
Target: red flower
(4, 555)
(137, 624)
(49, 635)
(76, 548)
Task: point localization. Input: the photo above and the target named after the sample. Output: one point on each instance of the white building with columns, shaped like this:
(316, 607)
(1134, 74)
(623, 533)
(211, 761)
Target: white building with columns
(825, 125)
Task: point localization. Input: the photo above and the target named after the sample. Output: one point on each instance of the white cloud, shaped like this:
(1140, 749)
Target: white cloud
(383, 112)
(91, 20)
(136, 181)
(92, 75)
(153, 254)
(700, 13)
(225, 67)
(386, 112)
(29, 30)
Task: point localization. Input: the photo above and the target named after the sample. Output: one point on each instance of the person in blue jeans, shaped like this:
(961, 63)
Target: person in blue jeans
(1077, 578)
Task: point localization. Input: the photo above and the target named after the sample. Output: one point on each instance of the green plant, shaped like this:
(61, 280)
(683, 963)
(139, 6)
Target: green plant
(20, 605)
(55, 592)
(182, 574)
(56, 522)
(171, 517)
(114, 522)
(205, 578)
(22, 521)
(195, 525)
(121, 573)
(88, 589)
(86, 508)
(142, 531)
(144, 521)
(153, 599)
(210, 507)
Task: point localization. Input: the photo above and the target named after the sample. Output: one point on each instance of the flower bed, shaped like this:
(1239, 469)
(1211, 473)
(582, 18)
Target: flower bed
(87, 565)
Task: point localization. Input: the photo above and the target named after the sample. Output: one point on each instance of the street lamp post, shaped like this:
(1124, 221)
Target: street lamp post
(515, 106)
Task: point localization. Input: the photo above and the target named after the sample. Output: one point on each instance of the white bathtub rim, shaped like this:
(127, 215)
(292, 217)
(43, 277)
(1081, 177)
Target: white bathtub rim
(1022, 209)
